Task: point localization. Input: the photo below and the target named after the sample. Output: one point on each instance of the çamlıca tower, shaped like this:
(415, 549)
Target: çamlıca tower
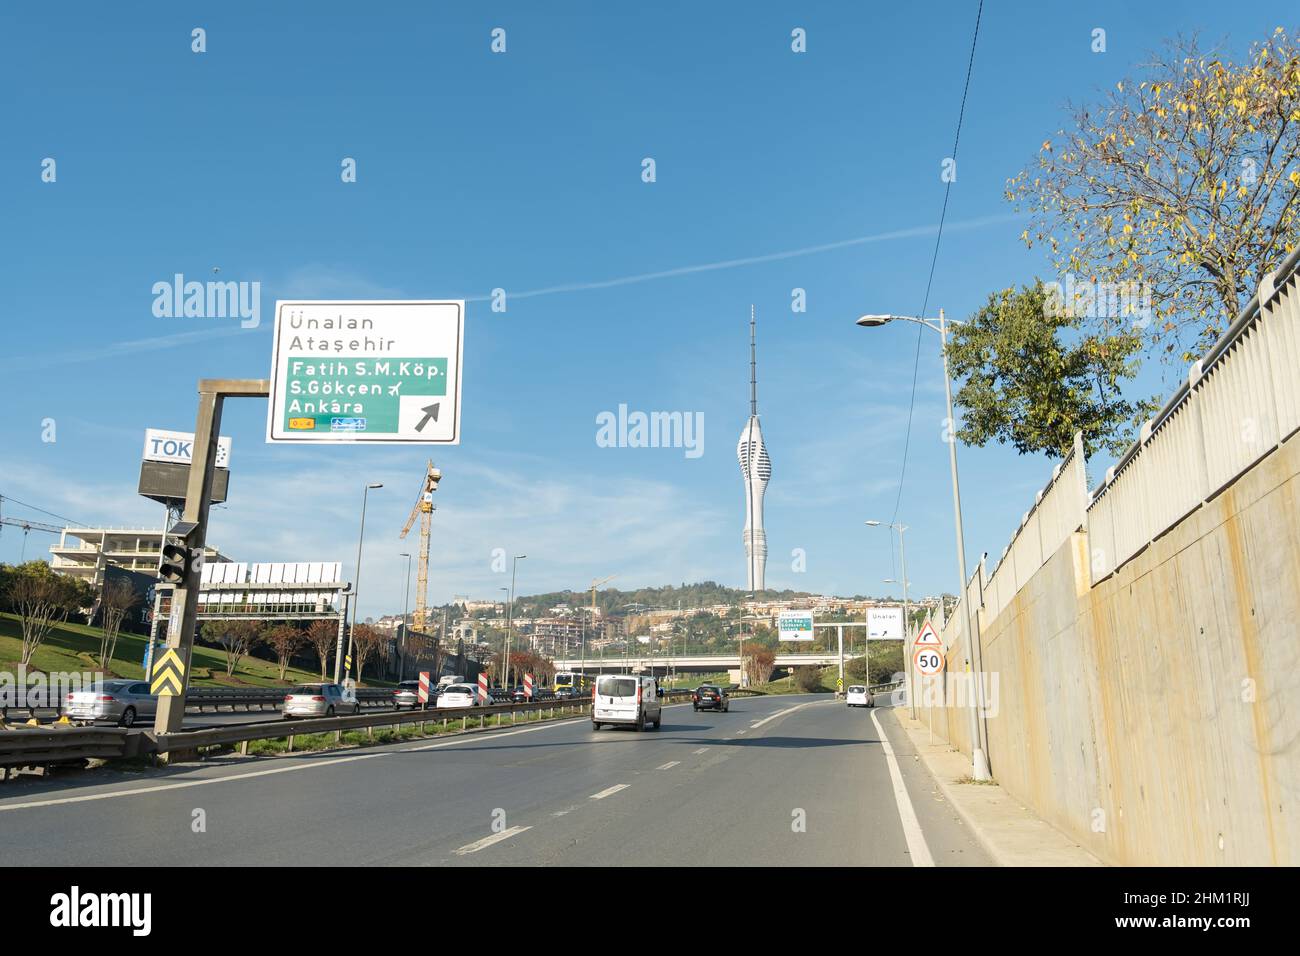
(756, 469)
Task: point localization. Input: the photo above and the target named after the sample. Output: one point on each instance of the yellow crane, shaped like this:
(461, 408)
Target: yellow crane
(423, 508)
(595, 584)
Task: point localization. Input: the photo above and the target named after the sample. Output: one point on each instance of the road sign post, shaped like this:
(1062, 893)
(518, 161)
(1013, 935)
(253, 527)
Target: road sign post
(198, 494)
(424, 689)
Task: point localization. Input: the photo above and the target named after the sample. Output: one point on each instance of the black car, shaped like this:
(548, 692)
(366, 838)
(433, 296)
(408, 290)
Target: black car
(710, 697)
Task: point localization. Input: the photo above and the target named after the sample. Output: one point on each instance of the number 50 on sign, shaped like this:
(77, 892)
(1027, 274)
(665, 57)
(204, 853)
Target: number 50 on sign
(928, 662)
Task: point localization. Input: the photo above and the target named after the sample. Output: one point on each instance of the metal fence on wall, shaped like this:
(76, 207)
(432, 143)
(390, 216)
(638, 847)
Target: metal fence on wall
(1240, 401)
(1059, 510)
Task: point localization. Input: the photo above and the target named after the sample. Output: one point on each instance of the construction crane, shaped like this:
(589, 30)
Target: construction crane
(423, 508)
(595, 584)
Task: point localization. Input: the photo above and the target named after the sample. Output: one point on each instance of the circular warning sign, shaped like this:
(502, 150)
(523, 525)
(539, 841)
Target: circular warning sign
(928, 662)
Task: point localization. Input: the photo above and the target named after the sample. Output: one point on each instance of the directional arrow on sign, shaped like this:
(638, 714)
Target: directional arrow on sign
(430, 412)
(928, 637)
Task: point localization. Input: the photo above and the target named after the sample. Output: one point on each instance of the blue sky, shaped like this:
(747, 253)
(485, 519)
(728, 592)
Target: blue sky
(522, 171)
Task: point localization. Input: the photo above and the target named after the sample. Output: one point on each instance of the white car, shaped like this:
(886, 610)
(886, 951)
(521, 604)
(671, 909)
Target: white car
(459, 695)
(625, 699)
(859, 696)
(320, 700)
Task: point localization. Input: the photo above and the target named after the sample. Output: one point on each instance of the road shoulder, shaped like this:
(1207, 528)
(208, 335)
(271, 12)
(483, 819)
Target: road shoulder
(1012, 834)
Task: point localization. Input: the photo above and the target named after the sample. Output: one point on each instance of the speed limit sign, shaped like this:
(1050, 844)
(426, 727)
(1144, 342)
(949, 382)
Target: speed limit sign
(928, 661)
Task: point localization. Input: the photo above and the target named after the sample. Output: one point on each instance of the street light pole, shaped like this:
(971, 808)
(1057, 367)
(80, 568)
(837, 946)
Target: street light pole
(979, 759)
(406, 610)
(510, 615)
(907, 621)
(356, 589)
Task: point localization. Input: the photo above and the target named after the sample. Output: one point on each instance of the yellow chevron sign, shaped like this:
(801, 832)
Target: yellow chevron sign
(168, 674)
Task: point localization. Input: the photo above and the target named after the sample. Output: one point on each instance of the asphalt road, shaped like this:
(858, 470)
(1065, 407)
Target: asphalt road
(790, 780)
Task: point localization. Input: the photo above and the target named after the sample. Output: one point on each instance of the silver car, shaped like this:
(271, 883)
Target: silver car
(319, 700)
(122, 701)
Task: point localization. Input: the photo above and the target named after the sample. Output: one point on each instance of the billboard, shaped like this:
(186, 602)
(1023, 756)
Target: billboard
(178, 447)
(167, 482)
(795, 625)
(885, 623)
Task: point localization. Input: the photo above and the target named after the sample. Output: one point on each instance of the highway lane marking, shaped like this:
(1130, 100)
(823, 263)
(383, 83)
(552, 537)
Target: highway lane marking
(779, 713)
(701, 750)
(669, 765)
(609, 791)
(315, 764)
(487, 841)
(916, 845)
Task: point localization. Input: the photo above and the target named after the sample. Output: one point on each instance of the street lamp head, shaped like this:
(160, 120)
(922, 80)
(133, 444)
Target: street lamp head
(874, 321)
(874, 524)
(375, 484)
(520, 557)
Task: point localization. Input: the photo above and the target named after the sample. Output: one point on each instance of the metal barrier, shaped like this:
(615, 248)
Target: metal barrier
(191, 740)
(46, 746)
(43, 746)
(1240, 401)
(1059, 510)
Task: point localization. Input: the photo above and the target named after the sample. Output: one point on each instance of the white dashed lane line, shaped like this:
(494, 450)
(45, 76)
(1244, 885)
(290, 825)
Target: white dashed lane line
(487, 841)
(609, 791)
(669, 765)
(701, 750)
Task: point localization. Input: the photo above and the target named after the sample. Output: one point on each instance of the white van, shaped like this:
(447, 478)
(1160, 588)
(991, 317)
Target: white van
(625, 699)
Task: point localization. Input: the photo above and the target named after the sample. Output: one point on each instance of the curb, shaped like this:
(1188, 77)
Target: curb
(1070, 853)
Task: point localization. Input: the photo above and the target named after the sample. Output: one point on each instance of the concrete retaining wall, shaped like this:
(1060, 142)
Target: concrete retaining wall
(1155, 717)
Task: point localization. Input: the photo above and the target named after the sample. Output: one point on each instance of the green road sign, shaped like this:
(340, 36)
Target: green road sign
(352, 372)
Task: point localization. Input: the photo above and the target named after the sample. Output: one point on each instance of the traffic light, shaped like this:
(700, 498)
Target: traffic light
(178, 562)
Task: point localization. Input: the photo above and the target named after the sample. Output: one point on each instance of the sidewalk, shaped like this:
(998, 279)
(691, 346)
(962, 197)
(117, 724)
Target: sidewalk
(1011, 834)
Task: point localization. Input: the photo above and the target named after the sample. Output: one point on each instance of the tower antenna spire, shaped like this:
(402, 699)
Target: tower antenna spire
(753, 366)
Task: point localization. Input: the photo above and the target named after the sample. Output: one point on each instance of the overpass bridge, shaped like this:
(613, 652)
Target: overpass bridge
(693, 663)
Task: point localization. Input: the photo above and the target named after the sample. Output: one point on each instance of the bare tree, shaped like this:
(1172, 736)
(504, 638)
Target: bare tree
(236, 638)
(323, 637)
(366, 642)
(42, 600)
(758, 663)
(117, 601)
(285, 640)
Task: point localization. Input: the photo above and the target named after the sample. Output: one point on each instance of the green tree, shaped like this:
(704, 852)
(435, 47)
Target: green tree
(1031, 377)
(1185, 181)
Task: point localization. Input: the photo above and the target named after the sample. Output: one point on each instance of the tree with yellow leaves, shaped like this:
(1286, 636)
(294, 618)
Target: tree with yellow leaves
(1184, 183)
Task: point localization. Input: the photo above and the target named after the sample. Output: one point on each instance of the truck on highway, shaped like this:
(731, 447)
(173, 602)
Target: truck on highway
(451, 679)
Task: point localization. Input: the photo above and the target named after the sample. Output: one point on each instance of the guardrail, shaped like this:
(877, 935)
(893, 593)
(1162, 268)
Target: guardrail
(199, 699)
(46, 746)
(43, 746)
(194, 740)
